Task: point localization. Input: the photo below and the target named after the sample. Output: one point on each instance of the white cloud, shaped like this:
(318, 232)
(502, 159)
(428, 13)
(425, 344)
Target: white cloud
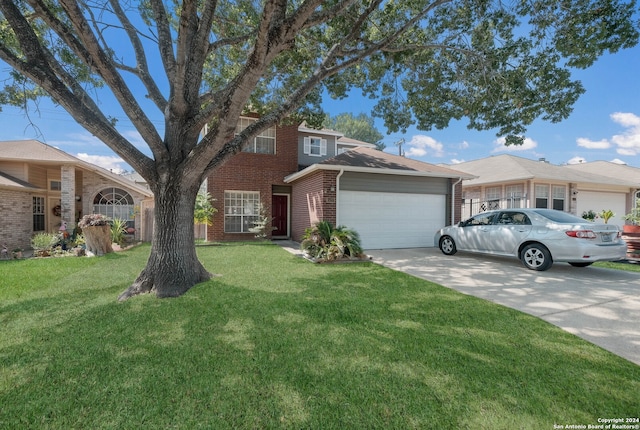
(421, 145)
(626, 119)
(577, 160)
(527, 145)
(593, 144)
(618, 161)
(629, 152)
(456, 161)
(626, 143)
(113, 163)
(464, 144)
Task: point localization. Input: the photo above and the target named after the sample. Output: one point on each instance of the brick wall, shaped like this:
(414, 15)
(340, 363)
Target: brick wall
(252, 172)
(313, 199)
(17, 219)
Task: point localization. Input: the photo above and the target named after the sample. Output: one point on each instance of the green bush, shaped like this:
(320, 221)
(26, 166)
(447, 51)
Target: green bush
(325, 242)
(43, 243)
(118, 230)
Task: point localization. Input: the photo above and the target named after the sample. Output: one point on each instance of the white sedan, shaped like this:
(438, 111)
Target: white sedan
(538, 237)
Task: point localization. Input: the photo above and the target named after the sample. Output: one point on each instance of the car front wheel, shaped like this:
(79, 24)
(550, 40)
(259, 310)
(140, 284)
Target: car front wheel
(536, 257)
(447, 245)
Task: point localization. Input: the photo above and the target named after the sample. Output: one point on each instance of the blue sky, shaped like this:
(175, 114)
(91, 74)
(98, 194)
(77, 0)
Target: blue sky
(605, 125)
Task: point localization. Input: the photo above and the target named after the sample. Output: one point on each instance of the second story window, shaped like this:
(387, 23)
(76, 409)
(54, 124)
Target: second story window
(264, 143)
(55, 185)
(315, 146)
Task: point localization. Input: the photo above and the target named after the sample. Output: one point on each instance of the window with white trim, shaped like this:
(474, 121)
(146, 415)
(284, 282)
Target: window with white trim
(493, 197)
(38, 214)
(263, 143)
(558, 193)
(514, 194)
(115, 203)
(241, 211)
(55, 185)
(542, 196)
(315, 146)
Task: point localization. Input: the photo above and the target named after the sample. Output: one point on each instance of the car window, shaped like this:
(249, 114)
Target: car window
(513, 218)
(481, 219)
(559, 216)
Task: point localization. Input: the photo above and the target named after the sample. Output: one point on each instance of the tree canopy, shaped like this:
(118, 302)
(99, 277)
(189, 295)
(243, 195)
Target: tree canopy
(196, 63)
(360, 127)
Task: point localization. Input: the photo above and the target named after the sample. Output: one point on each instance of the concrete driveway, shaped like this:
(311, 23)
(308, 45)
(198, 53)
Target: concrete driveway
(599, 305)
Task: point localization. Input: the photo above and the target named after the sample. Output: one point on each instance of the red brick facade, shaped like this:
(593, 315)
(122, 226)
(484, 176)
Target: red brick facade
(313, 200)
(253, 172)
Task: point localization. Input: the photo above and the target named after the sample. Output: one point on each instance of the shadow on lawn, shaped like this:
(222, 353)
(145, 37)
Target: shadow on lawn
(355, 346)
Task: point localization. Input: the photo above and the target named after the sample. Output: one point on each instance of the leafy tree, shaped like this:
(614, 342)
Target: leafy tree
(359, 127)
(195, 63)
(204, 210)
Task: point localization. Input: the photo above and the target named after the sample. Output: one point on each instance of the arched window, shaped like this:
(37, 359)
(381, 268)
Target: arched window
(115, 203)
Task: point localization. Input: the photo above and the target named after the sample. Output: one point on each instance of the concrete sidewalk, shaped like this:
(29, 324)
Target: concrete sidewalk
(598, 305)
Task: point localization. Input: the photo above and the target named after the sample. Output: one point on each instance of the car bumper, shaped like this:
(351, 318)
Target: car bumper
(587, 252)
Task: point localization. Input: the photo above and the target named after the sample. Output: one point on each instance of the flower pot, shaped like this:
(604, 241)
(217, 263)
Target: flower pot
(631, 228)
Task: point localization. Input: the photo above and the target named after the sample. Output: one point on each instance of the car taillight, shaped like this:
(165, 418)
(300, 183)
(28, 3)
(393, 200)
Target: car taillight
(581, 234)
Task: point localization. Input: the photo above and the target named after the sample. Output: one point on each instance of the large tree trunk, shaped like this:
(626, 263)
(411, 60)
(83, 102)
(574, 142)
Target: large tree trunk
(173, 266)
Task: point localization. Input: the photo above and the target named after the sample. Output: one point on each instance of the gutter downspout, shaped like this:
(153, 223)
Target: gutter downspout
(337, 192)
(453, 201)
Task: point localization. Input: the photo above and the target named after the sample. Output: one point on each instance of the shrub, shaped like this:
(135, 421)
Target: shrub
(324, 242)
(204, 210)
(43, 243)
(118, 230)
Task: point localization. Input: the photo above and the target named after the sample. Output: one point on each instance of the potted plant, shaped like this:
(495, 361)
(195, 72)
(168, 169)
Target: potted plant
(589, 215)
(606, 215)
(633, 221)
(17, 254)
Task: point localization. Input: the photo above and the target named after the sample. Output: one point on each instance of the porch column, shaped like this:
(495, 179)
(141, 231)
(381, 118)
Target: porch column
(68, 195)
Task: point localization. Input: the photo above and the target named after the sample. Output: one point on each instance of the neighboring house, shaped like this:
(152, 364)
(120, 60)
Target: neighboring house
(506, 181)
(299, 176)
(618, 172)
(41, 186)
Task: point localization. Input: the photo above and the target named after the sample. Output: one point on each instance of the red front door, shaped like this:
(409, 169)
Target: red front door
(279, 212)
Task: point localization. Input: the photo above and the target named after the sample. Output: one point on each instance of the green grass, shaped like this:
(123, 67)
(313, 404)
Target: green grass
(629, 267)
(278, 342)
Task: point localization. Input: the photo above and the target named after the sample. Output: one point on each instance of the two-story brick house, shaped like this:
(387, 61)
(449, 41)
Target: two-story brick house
(299, 176)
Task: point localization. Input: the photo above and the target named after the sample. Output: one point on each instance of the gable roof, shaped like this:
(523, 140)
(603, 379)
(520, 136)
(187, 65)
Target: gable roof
(33, 151)
(510, 168)
(370, 160)
(609, 169)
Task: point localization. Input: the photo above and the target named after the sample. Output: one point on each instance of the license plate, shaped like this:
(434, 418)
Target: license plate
(607, 237)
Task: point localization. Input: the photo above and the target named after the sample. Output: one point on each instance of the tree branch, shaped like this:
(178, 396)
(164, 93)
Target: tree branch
(142, 68)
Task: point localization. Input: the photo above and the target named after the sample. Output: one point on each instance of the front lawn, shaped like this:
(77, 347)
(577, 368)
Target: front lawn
(278, 342)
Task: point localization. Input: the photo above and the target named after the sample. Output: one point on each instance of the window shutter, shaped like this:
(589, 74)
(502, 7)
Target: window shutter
(307, 145)
(323, 147)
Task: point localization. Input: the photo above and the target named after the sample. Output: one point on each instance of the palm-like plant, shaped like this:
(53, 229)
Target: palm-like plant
(323, 241)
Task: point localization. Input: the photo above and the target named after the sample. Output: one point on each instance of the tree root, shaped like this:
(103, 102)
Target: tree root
(146, 283)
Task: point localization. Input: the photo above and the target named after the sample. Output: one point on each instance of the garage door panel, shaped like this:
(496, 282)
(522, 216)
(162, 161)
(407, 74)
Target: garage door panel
(392, 220)
(598, 201)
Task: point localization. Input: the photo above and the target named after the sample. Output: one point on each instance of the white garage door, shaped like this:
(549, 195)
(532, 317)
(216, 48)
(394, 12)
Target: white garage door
(597, 201)
(392, 220)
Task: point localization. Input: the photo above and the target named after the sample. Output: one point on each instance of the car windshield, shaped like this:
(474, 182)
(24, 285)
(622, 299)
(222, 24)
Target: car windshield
(559, 216)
